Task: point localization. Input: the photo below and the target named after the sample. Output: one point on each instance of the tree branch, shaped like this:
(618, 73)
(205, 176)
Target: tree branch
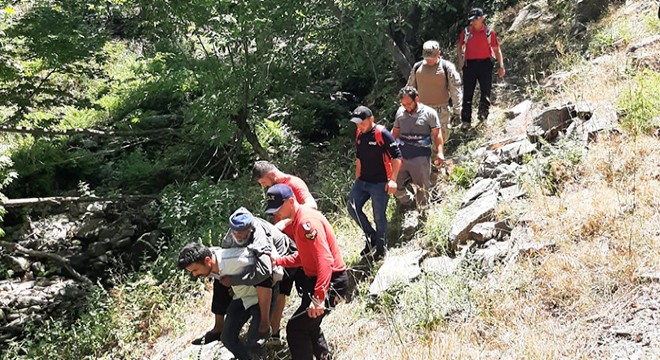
(90, 132)
(50, 256)
(62, 199)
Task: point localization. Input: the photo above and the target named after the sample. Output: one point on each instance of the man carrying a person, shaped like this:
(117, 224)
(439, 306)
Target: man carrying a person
(325, 280)
(477, 46)
(376, 169)
(217, 263)
(417, 130)
(437, 81)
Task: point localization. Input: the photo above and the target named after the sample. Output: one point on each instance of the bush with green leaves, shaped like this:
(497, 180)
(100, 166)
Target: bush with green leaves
(641, 104)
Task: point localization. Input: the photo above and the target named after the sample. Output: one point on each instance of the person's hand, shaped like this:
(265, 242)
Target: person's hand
(282, 224)
(390, 187)
(439, 160)
(501, 72)
(316, 308)
(225, 281)
(273, 257)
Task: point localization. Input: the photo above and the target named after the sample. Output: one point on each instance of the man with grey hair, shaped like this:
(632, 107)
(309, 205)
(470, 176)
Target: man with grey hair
(437, 81)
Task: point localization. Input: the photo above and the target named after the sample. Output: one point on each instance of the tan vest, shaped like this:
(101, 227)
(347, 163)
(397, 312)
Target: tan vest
(432, 85)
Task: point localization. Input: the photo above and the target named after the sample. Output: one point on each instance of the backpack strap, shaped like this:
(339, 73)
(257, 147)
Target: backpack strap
(444, 68)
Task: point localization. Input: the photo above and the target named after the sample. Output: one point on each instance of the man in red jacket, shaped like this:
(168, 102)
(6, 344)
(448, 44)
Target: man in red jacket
(325, 282)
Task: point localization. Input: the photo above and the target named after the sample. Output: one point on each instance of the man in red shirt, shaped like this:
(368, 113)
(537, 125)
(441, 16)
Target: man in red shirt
(267, 175)
(325, 277)
(477, 46)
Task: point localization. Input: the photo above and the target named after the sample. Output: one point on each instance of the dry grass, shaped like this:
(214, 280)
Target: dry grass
(603, 220)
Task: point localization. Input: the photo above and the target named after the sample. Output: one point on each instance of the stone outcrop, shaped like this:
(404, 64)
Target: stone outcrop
(397, 270)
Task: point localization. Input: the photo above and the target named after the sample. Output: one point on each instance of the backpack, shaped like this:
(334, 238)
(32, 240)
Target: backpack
(468, 35)
(443, 63)
(387, 159)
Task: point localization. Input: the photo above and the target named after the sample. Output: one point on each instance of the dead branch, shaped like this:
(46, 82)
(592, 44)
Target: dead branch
(61, 199)
(50, 256)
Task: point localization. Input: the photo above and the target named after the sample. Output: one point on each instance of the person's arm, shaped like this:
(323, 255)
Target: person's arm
(394, 154)
(459, 52)
(412, 78)
(455, 88)
(498, 55)
(438, 144)
(500, 61)
(395, 132)
(358, 168)
(289, 261)
(322, 258)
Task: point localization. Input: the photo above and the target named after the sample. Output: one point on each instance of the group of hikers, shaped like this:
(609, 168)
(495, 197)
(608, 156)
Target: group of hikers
(255, 268)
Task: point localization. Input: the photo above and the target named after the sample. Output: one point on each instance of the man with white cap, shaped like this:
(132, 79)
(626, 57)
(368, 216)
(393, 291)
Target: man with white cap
(437, 81)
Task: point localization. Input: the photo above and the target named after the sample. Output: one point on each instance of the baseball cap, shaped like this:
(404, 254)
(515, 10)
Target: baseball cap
(360, 114)
(475, 13)
(276, 196)
(429, 48)
(241, 219)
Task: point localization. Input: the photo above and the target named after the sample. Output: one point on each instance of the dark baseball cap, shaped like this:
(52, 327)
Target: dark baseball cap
(475, 13)
(360, 114)
(276, 196)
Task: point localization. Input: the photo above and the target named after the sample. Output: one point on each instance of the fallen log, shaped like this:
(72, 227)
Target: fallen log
(63, 262)
(63, 199)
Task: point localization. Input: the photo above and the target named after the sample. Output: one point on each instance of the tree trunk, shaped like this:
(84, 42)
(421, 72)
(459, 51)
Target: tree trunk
(398, 56)
(244, 127)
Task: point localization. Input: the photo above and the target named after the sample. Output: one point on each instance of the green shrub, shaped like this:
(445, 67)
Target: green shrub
(641, 104)
(438, 224)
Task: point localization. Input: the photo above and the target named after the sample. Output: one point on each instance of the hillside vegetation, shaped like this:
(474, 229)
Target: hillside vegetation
(198, 90)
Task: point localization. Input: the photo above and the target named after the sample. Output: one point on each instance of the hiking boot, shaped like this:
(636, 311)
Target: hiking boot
(367, 250)
(465, 126)
(482, 115)
(207, 338)
(380, 253)
(274, 340)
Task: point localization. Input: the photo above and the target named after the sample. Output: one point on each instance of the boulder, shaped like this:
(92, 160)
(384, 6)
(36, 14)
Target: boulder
(511, 193)
(648, 41)
(483, 232)
(397, 270)
(121, 243)
(492, 254)
(90, 228)
(98, 248)
(469, 216)
(481, 187)
(549, 123)
(515, 151)
(519, 109)
(590, 10)
(441, 265)
(530, 12)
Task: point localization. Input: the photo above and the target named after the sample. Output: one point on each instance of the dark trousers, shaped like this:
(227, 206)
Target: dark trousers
(360, 193)
(221, 298)
(304, 335)
(237, 316)
(476, 71)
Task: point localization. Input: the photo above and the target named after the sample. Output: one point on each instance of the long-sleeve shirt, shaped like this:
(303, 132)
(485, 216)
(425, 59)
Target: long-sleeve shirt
(431, 83)
(266, 239)
(318, 253)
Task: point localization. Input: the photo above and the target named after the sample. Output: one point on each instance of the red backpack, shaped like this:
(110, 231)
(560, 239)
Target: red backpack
(387, 159)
